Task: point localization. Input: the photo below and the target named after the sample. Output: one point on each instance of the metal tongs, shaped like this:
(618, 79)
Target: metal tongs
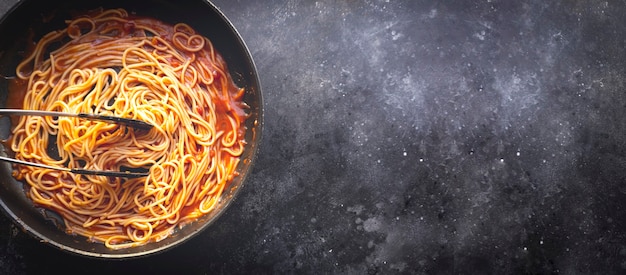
(133, 123)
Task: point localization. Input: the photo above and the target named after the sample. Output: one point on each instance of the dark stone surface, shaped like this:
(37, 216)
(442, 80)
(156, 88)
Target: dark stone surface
(417, 137)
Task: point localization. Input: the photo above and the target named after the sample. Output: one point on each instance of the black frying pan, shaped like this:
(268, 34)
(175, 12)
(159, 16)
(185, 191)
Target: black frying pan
(200, 15)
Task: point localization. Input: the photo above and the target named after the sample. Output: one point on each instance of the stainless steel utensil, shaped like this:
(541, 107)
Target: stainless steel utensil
(133, 123)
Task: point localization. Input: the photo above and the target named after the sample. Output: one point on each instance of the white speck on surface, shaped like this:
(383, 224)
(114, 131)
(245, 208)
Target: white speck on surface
(396, 35)
(432, 14)
(480, 35)
(371, 225)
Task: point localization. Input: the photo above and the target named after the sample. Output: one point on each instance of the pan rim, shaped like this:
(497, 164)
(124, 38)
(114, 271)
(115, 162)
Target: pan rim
(252, 154)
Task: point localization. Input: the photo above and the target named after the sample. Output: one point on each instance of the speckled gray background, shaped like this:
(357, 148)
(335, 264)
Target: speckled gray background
(418, 137)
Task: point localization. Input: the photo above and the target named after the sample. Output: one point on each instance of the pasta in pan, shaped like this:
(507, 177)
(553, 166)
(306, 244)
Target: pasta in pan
(111, 63)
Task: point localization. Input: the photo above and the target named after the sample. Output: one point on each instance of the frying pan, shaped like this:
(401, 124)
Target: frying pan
(27, 17)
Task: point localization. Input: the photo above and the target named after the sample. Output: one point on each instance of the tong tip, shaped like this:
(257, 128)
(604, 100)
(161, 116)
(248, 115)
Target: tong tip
(120, 174)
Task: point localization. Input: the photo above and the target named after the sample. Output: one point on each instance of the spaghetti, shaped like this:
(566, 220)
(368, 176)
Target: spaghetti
(111, 63)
